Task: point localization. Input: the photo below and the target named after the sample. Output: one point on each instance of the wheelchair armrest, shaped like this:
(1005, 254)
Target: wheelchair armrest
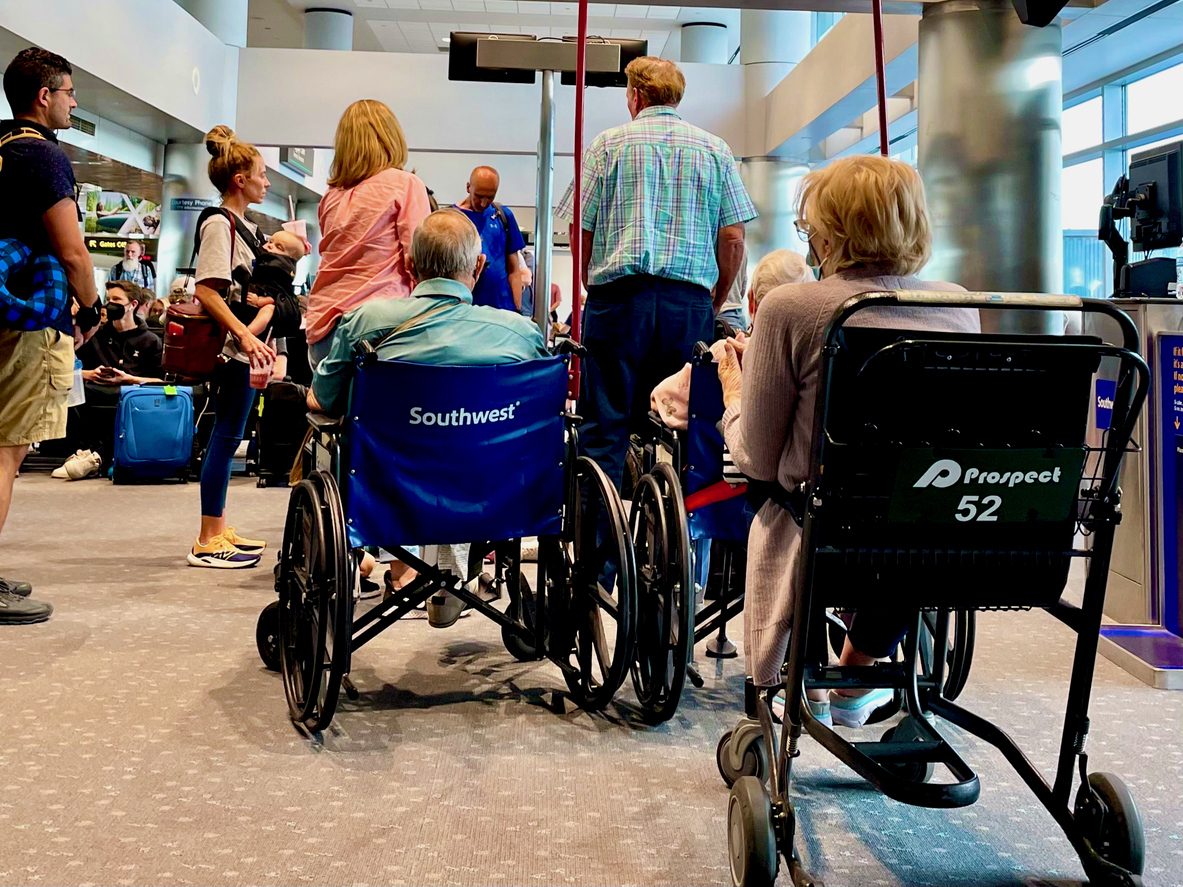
(568, 346)
(325, 423)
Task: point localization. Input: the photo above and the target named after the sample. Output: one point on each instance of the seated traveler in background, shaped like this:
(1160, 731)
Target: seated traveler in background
(123, 352)
(501, 242)
(671, 398)
(134, 267)
(662, 236)
(437, 325)
(866, 223)
(367, 218)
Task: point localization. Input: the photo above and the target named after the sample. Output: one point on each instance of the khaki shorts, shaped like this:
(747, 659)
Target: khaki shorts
(36, 373)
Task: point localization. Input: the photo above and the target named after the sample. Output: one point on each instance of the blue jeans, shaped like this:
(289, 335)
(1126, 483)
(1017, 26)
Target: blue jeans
(638, 330)
(737, 318)
(233, 401)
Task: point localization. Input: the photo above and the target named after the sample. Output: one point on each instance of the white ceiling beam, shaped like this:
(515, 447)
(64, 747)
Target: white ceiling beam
(835, 84)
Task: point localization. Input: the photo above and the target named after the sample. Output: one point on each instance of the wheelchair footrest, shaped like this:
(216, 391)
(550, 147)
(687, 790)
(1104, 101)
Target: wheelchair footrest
(873, 761)
(855, 677)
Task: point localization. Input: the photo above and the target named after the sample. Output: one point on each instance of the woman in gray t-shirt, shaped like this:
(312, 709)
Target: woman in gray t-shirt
(237, 171)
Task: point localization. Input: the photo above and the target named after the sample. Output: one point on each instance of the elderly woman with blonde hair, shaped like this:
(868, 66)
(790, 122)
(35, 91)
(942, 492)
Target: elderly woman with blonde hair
(865, 221)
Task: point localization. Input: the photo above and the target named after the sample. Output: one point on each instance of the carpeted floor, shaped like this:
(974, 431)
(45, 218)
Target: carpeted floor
(144, 743)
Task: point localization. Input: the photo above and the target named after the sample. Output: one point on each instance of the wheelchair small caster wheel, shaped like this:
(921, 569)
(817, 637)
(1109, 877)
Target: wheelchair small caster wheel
(913, 771)
(751, 839)
(267, 636)
(1109, 819)
(753, 755)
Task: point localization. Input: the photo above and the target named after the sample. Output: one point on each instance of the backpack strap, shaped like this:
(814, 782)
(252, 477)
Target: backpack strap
(248, 238)
(503, 217)
(25, 132)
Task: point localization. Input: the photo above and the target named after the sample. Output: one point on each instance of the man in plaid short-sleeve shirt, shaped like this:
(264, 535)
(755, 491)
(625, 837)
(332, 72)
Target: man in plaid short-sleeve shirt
(663, 233)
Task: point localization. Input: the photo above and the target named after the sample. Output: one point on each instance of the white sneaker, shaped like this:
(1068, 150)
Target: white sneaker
(83, 466)
(530, 550)
(61, 471)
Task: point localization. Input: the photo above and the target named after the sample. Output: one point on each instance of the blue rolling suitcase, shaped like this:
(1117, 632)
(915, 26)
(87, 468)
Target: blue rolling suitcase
(153, 433)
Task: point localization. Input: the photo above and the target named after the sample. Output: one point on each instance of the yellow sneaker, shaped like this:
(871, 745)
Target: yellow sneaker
(248, 546)
(221, 554)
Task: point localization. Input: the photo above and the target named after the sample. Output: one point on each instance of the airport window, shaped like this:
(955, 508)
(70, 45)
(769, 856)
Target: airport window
(1155, 100)
(1083, 189)
(1081, 126)
(822, 22)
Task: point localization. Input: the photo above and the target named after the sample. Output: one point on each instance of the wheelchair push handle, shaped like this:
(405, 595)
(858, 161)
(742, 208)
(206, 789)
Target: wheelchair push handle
(987, 301)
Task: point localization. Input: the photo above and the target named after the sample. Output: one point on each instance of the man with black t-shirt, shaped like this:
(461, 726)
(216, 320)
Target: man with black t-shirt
(37, 368)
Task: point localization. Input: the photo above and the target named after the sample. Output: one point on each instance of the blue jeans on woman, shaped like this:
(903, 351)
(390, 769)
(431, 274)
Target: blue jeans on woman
(233, 400)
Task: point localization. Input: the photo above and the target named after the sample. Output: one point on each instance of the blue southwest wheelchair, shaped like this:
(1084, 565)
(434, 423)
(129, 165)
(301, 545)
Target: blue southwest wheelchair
(431, 455)
(682, 508)
(948, 472)
(690, 507)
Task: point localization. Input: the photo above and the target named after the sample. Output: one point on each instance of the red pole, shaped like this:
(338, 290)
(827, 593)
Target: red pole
(880, 73)
(577, 239)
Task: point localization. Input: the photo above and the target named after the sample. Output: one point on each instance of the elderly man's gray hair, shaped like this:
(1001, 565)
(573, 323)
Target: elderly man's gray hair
(446, 244)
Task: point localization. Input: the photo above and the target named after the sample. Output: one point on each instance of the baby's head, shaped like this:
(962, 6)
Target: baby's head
(285, 243)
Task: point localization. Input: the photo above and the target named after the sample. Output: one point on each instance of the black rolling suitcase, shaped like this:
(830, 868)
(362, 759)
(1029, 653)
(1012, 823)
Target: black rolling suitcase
(280, 431)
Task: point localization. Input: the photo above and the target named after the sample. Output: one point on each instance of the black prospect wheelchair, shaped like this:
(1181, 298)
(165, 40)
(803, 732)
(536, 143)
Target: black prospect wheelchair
(431, 455)
(949, 472)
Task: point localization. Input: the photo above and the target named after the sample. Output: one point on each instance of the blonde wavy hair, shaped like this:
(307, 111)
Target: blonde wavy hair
(369, 140)
(872, 211)
(228, 157)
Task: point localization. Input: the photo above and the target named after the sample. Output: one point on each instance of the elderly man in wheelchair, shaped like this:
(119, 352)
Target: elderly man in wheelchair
(439, 424)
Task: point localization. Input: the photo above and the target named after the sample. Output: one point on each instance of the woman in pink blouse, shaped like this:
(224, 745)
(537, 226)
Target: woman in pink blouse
(366, 221)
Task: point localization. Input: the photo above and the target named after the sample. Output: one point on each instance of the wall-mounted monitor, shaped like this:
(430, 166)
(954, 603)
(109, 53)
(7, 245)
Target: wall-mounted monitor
(1157, 177)
(462, 59)
(629, 49)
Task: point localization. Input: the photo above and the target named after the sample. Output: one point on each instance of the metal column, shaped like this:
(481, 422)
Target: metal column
(544, 217)
(989, 149)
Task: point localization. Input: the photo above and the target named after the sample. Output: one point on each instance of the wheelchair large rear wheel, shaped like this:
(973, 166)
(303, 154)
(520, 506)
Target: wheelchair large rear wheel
(301, 605)
(337, 586)
(661, 547)
(600, 579)
(315, 602)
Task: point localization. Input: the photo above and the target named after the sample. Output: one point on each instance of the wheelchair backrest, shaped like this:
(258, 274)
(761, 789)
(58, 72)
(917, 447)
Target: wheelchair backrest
(446, 454)
(728, 519)
(950, 466)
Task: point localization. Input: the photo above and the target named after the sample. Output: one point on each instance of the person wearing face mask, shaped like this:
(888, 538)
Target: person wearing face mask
(134, 267)
(865, 220)
(123, 352)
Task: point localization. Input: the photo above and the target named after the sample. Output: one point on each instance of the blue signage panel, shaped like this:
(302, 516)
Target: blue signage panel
(1106, 391)
(1170, 439)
